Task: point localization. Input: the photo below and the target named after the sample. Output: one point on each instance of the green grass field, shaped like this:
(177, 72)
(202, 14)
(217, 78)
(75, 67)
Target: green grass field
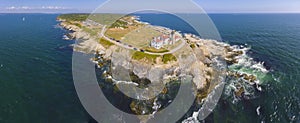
(168, 58)
(141, 55)
(140, 37)
(118, 34)
(106, 19)
(153, 50)
(105, 43)
(74, 17)
(152, 58)
(92, 32)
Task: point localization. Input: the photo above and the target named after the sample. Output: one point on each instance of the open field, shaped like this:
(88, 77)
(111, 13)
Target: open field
(105, 19)
(128, 31)
(105, 43)
(140, 37)
(91, 31)
(118, 33)
(74, 17)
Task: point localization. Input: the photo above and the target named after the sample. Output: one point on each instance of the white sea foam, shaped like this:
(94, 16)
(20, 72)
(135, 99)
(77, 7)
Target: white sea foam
(190, 120)
(155, 107)
(258, 110)
(245, 61)
(260, 66)
(124, 82)
(57, 26)
(258, 88)
(193, 118)
(246, 65)
(109, 77)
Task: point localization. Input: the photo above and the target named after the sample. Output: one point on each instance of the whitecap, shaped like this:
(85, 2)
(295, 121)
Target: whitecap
(293, 118)
(95, 62)
(109, 77)
(276, 79)
(122, 82)
(190, 120)
(258, 87)
(258, 110)
(65, 37)
(195, 115)
(260, 66)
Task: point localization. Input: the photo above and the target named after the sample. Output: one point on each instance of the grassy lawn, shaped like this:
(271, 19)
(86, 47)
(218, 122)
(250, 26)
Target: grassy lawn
(168, 58)
(106, 19)
(140, 37)
(92, 32)
(105, 43)
(75, 23)
(119, 33)
(153, 50)
(152, 58)
(141, 55)
(74, 17)
(119, 23)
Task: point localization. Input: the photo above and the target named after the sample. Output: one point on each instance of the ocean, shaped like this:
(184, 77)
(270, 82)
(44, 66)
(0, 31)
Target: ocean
(36, 68)
(35, 74)
(274, 40)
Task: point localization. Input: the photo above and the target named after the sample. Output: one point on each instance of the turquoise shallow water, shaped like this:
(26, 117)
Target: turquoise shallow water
(36, 80)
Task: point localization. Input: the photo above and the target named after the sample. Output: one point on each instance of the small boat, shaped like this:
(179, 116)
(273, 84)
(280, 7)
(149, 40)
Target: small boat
(23, 19)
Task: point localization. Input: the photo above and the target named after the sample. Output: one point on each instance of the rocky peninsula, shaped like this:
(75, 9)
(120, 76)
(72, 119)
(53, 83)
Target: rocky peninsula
(122, 47)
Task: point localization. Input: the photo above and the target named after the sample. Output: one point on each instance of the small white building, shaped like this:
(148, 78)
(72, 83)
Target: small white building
(160, 41)
(157, 43)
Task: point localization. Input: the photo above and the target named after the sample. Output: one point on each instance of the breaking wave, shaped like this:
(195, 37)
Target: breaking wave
(239, 86)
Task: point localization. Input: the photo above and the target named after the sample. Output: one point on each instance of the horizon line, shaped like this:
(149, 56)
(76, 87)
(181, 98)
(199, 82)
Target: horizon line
(151, 13)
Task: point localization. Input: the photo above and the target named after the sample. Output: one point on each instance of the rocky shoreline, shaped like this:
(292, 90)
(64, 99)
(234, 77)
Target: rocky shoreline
(203, 59)
(85, 42)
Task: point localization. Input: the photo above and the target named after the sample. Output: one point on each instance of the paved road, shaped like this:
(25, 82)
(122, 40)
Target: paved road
(132, 48)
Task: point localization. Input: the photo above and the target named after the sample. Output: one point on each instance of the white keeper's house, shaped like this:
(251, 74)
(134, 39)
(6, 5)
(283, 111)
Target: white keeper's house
(160, 41)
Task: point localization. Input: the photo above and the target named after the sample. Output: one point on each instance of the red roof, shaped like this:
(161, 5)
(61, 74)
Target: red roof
(161, 38)
(165, 36)
(157, 40)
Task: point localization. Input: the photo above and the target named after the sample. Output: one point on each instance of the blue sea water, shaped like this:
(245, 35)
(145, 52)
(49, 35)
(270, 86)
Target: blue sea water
(275, 40)
(36, 80)
(35, 74)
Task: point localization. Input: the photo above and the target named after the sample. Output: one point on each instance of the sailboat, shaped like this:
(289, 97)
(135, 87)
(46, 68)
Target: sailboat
(23, 18)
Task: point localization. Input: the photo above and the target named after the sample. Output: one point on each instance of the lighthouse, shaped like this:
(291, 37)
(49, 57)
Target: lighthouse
(172, 36)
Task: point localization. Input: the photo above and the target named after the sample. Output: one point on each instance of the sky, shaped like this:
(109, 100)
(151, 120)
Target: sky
(210, 6)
